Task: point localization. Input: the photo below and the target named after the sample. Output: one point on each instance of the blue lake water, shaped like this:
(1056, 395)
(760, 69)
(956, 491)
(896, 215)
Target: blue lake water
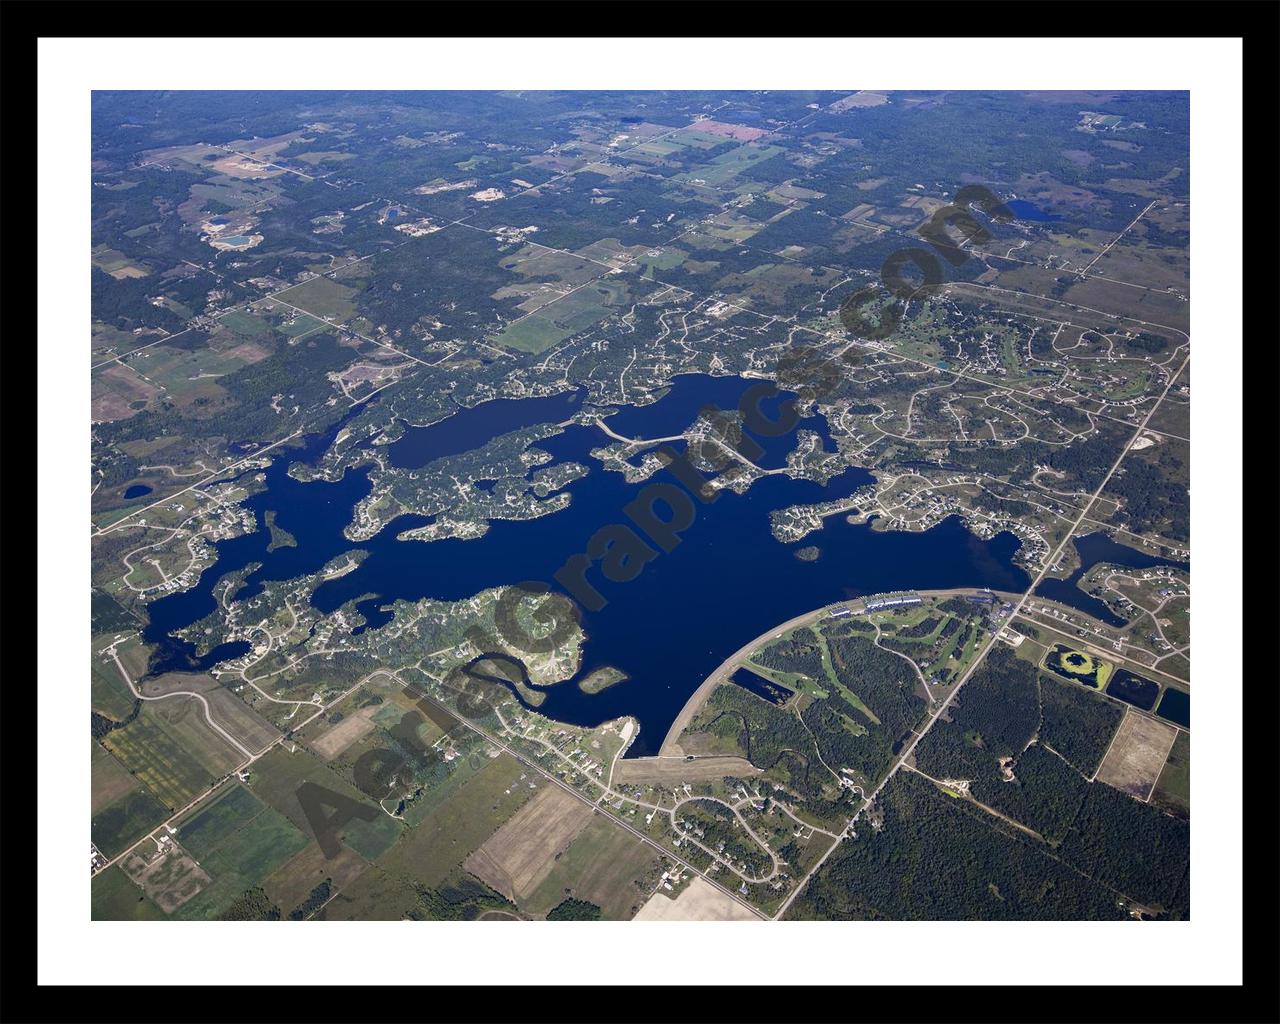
(468, 429)
(726, 581)
(1024, 210)
(1137, 690)
(772, 692)
(1175, 705)
(689, 394)
(1095, 548)
(136, 491)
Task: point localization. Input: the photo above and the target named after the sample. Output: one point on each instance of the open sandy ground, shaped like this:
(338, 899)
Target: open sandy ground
(516, 858)
(1137, 755)
(701, 901)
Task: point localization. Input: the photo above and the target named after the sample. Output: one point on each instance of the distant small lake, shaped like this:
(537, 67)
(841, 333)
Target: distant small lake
(761, 687)
(235, 240)
(469, 429)
(1133, 689)
(690, 393)
(1024, 210)
(1176, 707)
(136, 491)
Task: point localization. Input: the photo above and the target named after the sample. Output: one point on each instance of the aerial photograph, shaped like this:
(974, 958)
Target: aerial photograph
(639, 506)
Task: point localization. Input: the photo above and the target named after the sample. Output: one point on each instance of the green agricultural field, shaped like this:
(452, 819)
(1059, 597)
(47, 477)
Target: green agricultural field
(246, 324)
(582, 308)
(134, 655)
(241, 859)
(535, 333)
(122, 823)
(291, 884)
(1173, 788)
(111, 780)
(439, 790)
(116, 898)
(604, 865)
(376, 895)
(233, 195)
(300, 326)
(230, 809)
(587, 306)
(277, 778)
(109, 695)
(171, 749)
(658, 147)
(322, 297)
(373, 838)
(117, 264)
(667, 259)
(473, 813)
(733, 164)
(187, 374)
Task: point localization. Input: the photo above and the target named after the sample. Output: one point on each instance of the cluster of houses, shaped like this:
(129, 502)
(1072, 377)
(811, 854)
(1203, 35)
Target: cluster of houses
(881, 603)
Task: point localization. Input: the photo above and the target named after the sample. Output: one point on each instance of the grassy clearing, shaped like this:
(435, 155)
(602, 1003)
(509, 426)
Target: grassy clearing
(291, 883)
(117, 264)
(300, 326)
(534, 334)
(242, 859)
(322, 297)
(1173, 788)
(605, 865)
(123, 822)
(204, 829)
(278, 776)
(730, 165)
(108, 694)
(376, 895)
(114, 897)
(246, 324)
(371, 839)
(444, 839)
(847, 693)
(667, 259)
(797, 681)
